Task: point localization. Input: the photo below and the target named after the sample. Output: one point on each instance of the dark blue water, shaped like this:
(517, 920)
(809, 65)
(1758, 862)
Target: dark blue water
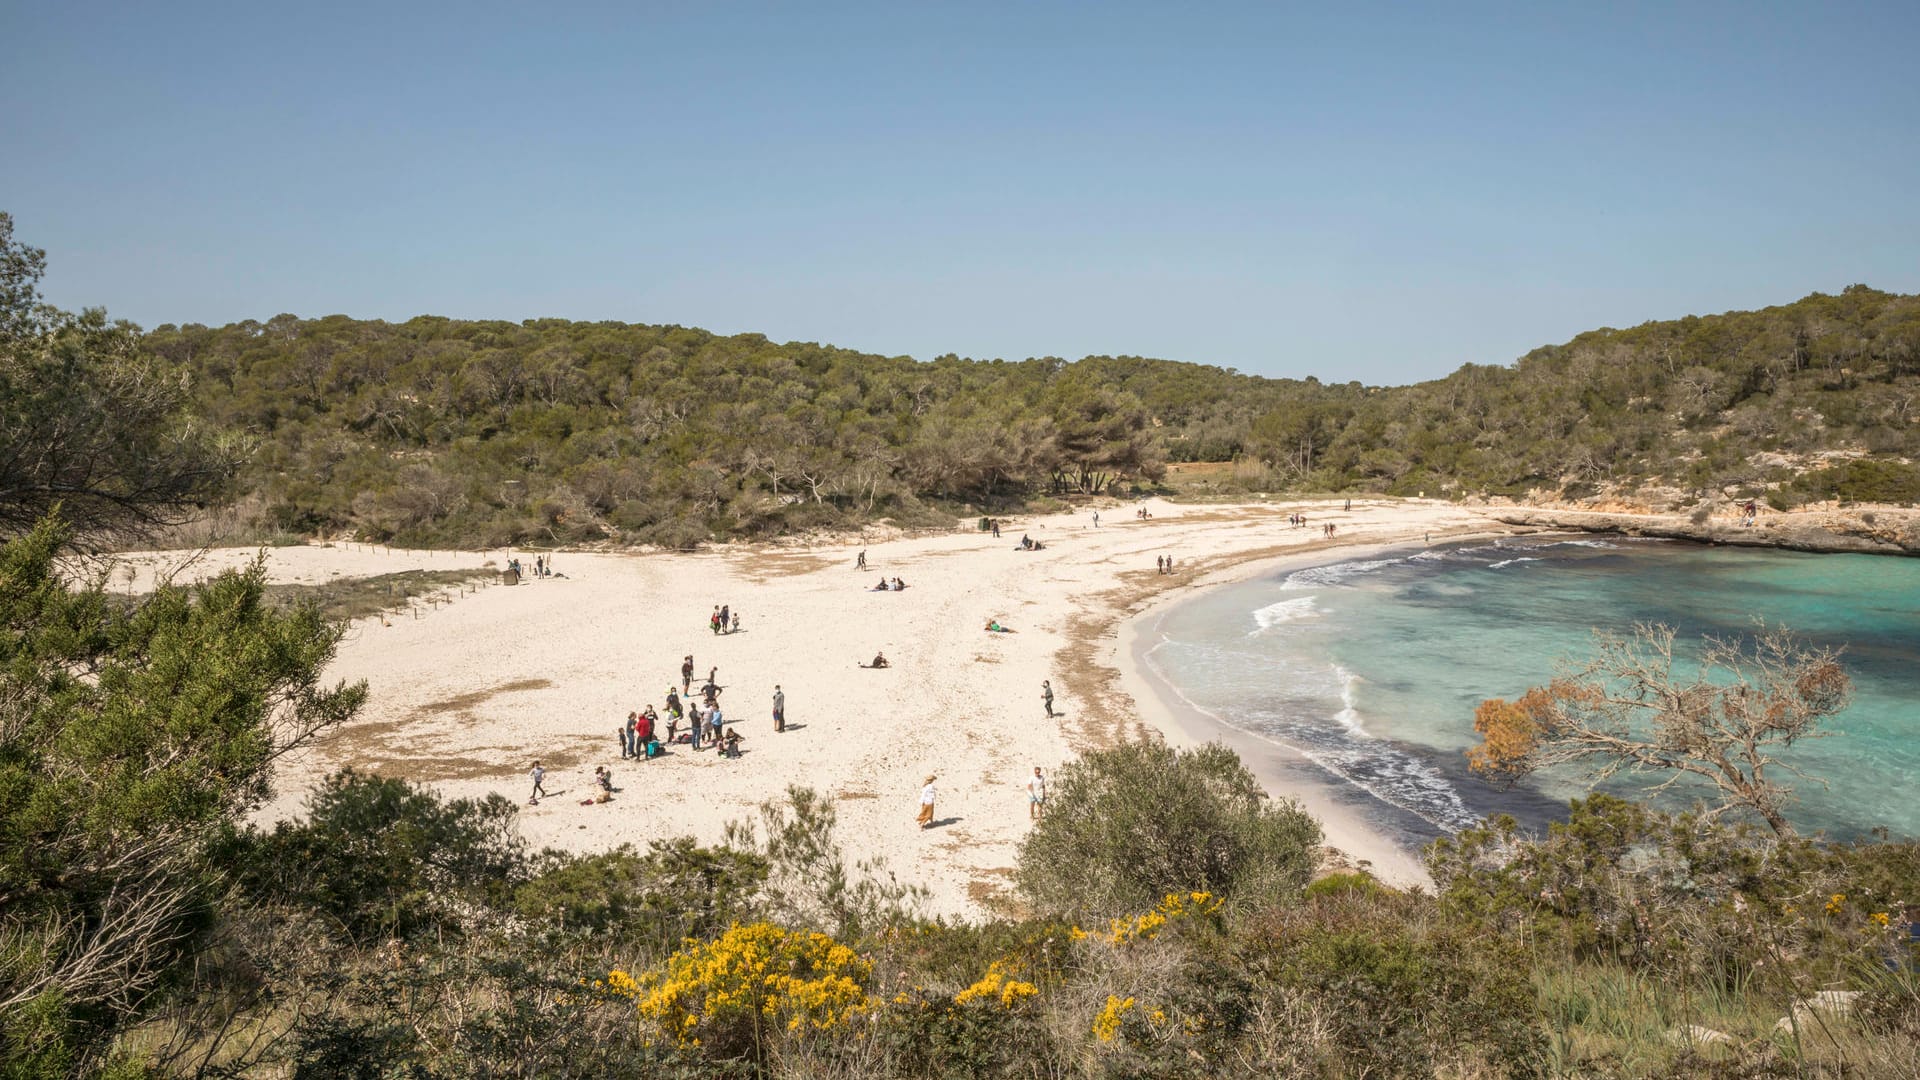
(1372, 668)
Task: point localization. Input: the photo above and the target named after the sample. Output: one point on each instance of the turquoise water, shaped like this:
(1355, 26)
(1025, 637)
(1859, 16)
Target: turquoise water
(1372, 668)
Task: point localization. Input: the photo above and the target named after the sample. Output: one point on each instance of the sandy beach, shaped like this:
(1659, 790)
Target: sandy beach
(465, 694)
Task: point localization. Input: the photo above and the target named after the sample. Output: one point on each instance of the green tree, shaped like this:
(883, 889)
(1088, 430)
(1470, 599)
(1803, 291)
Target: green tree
(132, 736)
(91, 422)
(1126, 826)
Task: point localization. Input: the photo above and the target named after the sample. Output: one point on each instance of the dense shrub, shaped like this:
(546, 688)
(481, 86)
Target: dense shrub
(1125, 827)
(387, 857)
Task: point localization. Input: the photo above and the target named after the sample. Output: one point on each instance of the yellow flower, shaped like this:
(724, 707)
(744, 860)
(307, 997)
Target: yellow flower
(800, 980)
(1880, 919)
(1107, 1024)
(1835, 903)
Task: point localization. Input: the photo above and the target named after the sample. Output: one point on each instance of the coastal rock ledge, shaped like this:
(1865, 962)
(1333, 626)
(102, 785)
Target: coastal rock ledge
(1876, 531)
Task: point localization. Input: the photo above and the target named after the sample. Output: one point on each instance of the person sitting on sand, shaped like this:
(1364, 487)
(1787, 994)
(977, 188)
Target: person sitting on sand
(732, 747)
(1026, 542)
(879, 660)
(883, 586)
(603, 780)
(898, 585)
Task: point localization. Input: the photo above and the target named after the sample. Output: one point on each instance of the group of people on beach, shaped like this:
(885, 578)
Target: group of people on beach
(705, 722)
(1163, 563)
(1299, 521)
(698, 721)
(542, 566)
(1028, 543)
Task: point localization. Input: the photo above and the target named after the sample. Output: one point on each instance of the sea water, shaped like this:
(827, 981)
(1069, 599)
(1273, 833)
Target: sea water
(1371, 668)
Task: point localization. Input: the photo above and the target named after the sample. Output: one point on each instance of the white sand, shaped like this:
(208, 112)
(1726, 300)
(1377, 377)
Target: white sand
(466, 695)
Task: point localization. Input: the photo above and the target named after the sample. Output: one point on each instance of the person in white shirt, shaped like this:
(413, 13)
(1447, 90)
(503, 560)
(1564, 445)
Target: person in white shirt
(926, 804)
(1036, 793)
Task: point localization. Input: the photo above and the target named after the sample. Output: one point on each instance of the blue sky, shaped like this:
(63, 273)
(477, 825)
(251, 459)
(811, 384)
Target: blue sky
(1380, 192)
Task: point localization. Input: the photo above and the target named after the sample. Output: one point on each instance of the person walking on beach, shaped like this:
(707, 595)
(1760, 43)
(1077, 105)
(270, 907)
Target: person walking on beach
(860, 561)
(779, 708)
(1036, 794)
(539, 774)
(686, 674)
(1046, 696)
(1096, 519)
(926, 804)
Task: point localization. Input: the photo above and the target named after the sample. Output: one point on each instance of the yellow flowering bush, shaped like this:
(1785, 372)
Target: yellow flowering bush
(1107, 1023)
(1836, 903)
(1174, 907)
(1000, 983)
(755, 978)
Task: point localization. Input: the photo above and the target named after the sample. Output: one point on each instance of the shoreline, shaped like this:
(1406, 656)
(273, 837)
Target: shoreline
(1349, 840)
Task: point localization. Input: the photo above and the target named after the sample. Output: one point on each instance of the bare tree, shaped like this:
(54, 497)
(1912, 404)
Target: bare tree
(1723, 720)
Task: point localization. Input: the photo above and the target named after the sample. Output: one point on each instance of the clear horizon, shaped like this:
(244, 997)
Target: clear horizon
(1379, 193)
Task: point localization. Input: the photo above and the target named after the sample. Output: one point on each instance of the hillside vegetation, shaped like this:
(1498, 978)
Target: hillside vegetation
(444, 431)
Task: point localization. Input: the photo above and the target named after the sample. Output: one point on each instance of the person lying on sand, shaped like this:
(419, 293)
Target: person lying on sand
(994, 627)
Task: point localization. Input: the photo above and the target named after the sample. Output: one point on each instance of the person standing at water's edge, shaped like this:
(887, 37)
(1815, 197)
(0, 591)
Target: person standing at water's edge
(926, 804)
(1046, 696)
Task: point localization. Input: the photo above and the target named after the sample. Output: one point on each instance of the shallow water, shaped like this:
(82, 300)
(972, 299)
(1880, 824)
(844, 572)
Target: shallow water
(1371, 668)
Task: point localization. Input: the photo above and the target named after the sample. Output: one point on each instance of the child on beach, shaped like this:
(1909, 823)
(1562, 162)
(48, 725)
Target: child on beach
(539, 774)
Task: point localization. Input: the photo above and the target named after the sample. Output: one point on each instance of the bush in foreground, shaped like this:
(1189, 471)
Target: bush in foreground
(1125, 827)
